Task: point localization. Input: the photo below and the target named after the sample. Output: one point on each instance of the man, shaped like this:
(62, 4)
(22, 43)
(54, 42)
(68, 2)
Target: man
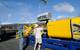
(19, 35)
(38, 39)
(27, 31)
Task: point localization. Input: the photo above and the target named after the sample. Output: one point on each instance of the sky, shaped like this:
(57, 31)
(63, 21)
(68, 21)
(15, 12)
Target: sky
(26, 11)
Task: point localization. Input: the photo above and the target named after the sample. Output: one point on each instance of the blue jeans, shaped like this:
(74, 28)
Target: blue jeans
(21, 41)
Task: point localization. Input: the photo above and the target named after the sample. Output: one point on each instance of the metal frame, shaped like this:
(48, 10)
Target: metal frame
(60, 44)
(56, 44)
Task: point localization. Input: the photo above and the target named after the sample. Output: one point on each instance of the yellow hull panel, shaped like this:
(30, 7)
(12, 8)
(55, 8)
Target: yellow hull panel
(76, 34)
(59, 28)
